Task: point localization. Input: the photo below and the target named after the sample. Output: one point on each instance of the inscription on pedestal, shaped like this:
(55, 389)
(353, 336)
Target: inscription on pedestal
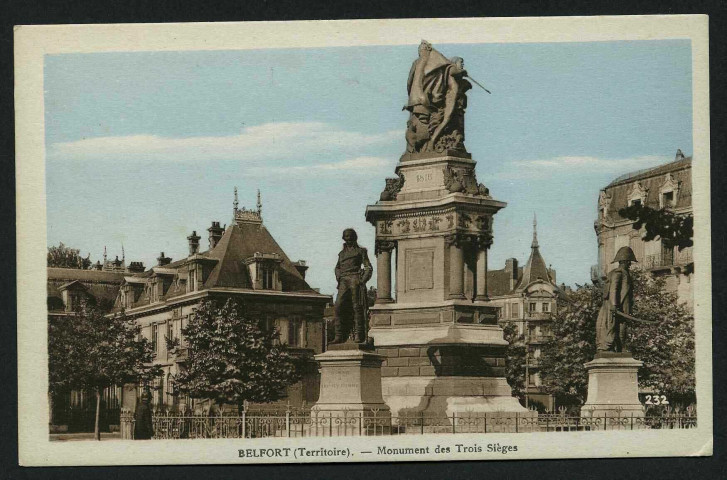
(420, 269)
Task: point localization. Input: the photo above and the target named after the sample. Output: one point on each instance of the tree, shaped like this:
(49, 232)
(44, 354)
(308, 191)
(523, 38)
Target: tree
(92, 351)
(66, 257)
(515, 357)
(674, 230)
(666, 347)
(232, 358)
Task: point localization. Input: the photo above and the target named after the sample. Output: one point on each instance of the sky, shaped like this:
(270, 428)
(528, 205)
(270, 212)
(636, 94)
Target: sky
(144, 147)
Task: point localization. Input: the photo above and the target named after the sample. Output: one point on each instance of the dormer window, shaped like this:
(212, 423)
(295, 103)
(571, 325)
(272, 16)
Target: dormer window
(268, 273)
(264, 270)
(667, 199)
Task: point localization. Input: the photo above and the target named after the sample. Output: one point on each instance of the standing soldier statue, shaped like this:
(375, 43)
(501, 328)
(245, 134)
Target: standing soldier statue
(618, 300)
(353, 270)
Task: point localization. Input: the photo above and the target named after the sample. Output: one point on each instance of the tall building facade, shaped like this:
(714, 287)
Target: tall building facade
(668, 187)
(527, 297)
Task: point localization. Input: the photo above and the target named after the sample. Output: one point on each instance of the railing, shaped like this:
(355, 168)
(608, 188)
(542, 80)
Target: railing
(659, 260)
(668, 259)
(377, 423)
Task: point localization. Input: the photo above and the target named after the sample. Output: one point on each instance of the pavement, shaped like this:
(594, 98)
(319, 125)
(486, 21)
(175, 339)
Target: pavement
(72, 437)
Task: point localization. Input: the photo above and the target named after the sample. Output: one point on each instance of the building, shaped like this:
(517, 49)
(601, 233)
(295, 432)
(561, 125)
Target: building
(67, 288)
(243, 261)
(527, 296)
(667, 186)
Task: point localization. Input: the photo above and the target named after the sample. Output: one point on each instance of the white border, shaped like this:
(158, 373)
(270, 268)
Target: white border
(33, 42)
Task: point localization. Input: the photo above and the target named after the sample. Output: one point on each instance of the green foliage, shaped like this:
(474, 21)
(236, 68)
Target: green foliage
(515, 357)
(674, 230)
(573, 344)
(90, 350)
(666, 347)
(66, 257)
(232, 358)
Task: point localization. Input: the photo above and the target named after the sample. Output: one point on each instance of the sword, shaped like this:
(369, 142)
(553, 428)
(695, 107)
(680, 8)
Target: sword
(629, 317)
(478, 84)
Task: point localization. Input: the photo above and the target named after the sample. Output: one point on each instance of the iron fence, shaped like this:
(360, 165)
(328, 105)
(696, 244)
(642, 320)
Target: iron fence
(290, 423)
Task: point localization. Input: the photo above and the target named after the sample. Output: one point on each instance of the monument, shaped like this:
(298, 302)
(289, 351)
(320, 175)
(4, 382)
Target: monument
(613, 384)
(350, 391)
(443, 350)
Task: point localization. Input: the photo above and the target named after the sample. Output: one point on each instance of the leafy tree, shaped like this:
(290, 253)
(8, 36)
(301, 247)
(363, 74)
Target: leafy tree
(515, 357)
(674, 230)
(66, 257)
(92, 351)
(666, 347)
(232, 358)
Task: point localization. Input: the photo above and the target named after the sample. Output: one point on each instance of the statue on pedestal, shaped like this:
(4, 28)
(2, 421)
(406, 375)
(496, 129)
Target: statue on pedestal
(618, 299)
(437, 101)
(353, 270)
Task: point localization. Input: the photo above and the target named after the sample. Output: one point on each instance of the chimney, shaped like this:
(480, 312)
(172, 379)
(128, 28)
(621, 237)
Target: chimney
(135, 267)
(215, 232)
(511, 268)
(163, 260)
(301, 267)
(193, 243)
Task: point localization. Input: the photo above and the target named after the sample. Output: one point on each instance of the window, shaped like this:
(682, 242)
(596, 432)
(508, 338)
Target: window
(192, 282)
(154, 338)
(636, 201)
(294, 331)
(546, 307)
(533, 307)
(531, 380)
(267, 276)
(514, 311)
(667, 199)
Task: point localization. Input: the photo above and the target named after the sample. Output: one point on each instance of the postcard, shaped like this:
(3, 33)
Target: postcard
(363, 241)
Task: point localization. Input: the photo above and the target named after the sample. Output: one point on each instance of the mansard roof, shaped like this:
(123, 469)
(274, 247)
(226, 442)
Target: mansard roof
(99, 284)
(241, 241)
(616, 195)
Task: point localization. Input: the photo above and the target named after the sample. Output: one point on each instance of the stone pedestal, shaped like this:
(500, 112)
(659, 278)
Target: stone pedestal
(613, 387)
(350, 400)
(444, 352)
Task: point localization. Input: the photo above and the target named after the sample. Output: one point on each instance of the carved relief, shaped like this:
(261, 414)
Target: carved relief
(392, 188)
(464, 181)
(482, 222)
(460, 239)
(464, 220)
(434, 223)
(403, 224)
(450, 220)
(638, 192)
(419, 224)
(385, 227)
(383, 246)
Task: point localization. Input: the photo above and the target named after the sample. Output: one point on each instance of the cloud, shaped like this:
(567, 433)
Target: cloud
(577, 165)
(276, 140)
(352, 165)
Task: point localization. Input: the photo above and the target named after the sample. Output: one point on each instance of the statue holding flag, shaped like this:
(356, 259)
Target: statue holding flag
(437, 101)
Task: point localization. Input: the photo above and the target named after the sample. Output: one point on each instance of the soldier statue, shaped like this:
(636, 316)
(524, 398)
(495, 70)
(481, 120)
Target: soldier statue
(618, 299)
(353, 270)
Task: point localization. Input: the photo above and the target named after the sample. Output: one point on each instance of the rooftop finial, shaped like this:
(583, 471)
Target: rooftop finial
(259, 203)
(123, 255)
(235, 204)
(104, 254)
(535, 232)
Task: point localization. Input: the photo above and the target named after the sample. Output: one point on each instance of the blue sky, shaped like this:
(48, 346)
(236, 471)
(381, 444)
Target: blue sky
(144, 147)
